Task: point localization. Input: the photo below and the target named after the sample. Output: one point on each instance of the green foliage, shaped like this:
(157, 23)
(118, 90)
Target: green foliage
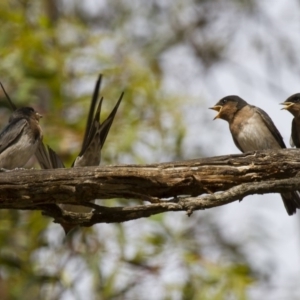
(51, 54)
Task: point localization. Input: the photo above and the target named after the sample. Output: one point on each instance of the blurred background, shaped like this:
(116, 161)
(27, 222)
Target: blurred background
(174, 59)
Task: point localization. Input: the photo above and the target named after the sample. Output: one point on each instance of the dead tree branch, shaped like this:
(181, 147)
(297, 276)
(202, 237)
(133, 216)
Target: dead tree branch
(177, 186)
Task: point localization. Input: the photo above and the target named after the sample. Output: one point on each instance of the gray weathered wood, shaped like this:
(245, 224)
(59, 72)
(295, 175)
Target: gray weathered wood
(186, 185)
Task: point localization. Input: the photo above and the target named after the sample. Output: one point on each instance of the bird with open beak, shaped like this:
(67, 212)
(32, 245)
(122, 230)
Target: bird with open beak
(252, 129)
(292, 104)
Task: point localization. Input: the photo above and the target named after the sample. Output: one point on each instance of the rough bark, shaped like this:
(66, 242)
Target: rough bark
(177, 186)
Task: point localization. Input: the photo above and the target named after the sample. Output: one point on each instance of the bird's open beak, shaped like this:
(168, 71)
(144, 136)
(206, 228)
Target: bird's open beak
(287, 105)
(217, 108)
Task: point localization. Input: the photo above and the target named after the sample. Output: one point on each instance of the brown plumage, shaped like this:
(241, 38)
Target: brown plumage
(252, 129)
(90, 154)
(292, 104)
(20, 138)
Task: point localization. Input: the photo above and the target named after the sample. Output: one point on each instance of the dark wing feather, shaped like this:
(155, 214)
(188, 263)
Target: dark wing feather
(271, 126)
(291, 200)
(98, 131)
(295, 134)
(55, 159)
(12, 105)
(105, 126)
(47, 158)
(11, 132)
(92, 130)
(42, 156)
(90, 120)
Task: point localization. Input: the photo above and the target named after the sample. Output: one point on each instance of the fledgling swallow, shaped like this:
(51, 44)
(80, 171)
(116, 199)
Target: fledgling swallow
(90, 154)
(94, 139)
(252, 129)
(15, 111)
(20, 138)
(95, 132)
(292, 104)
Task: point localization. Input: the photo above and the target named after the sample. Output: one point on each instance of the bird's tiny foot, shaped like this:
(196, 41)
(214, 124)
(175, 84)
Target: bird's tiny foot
(189, 211)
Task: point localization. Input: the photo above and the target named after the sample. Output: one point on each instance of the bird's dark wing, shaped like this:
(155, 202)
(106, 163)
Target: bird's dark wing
(42, 156)
(55, 159)
(105, 126)
(47, 158)
(12, 105)
(271, 126)
(90, 120)
(91, 131)
(295, 135)
(11, 132)
(291, 201)
(90, 152)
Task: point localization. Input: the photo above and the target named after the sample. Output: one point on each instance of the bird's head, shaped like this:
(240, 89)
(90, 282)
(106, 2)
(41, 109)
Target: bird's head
(228, 106)
(292, 104)
(26, 112)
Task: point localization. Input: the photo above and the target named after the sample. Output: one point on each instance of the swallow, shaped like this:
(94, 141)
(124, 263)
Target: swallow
(34, 121)
(96, 132)
(292, 104)
(252, 129)
(20, 138)
(90, 154)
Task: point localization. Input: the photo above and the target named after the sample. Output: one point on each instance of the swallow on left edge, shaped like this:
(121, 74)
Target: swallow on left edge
(252, 129)
(20, 138)
(292, 104)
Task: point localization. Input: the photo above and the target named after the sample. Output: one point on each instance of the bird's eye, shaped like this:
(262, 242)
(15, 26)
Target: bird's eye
(224, 101)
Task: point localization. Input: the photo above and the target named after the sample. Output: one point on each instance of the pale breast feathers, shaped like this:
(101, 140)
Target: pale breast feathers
(253, 134)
